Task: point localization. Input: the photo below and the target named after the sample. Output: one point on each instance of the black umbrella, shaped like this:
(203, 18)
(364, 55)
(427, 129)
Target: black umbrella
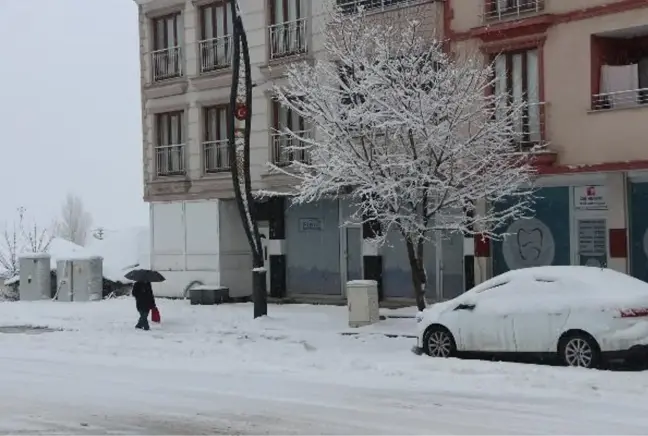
(144, 275)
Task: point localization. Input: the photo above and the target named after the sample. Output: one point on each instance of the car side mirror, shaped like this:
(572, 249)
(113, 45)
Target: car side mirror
(465, 307)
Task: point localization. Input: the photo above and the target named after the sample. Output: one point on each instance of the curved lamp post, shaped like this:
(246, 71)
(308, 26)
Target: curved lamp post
(239, 124)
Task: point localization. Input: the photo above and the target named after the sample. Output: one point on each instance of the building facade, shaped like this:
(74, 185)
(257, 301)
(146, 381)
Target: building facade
(579, 64)
(582, 67)
(196, 234)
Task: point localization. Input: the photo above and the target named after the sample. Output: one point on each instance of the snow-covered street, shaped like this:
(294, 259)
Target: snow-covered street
(212, 369)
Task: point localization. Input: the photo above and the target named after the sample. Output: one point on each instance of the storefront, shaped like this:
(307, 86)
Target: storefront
(578, 220)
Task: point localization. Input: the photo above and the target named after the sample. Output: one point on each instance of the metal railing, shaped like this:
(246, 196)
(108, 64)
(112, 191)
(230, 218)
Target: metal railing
(166, 63)
(216, 156)
(529, 127)
(620, 99)
(170, 160)
(370, 6)
(215, 53)
(286, 148)
(511, 9)
(288, 39)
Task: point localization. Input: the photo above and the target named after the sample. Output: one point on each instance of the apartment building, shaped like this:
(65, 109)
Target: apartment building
(196, 234)
(582, 67)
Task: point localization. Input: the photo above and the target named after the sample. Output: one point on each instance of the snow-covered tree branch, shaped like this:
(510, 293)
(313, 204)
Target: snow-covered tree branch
(75, 222)
(9, 251)
(35, 238)
(412, 134)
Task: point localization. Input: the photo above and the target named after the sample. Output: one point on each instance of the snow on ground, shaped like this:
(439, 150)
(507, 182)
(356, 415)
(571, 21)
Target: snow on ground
(213, 369)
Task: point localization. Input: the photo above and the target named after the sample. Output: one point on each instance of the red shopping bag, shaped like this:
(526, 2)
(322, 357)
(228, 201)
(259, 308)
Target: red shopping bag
(155, 315)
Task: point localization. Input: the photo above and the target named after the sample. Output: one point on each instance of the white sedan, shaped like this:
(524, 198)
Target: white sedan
(581, 314)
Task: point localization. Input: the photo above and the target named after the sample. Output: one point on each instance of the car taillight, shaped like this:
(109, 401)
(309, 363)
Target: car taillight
(633, 313)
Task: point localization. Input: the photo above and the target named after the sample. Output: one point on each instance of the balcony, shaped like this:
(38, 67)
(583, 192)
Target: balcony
(216, 156)
(215, 54)
(620, 99)
(497, 10)
(170, 160)
(166, 64)
(372, 6)
(288, 39)
(287, 149)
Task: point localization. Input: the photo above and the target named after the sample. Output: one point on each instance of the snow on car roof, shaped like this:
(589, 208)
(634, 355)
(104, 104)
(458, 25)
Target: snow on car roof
(603, 279)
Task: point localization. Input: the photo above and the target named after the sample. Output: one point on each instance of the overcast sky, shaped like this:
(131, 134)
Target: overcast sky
(70, 109)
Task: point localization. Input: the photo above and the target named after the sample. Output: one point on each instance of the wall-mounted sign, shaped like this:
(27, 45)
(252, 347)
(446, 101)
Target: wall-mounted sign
(592, 238)
(310, 225)
(590, 197)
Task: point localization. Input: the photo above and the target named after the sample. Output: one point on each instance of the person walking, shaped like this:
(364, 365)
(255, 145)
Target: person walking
(144, 302)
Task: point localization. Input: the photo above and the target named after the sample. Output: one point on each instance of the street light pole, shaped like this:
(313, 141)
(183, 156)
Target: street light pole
(239, 125)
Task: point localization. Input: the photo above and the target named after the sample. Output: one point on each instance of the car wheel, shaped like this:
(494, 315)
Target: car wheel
(438, 342)
(579, 350)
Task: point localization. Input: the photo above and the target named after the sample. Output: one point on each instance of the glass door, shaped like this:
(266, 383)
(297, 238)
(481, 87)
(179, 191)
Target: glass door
(450, 283)
(592, 242)
(353, 253)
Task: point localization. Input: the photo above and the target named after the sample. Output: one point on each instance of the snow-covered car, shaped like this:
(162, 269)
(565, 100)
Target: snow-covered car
(584, 315)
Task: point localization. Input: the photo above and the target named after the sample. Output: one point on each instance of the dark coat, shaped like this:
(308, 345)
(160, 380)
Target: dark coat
(144, 299)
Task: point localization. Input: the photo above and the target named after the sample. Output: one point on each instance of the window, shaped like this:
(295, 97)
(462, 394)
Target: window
(517, 75)
(169, 148)
(215, 144)
(167, 47)
(285, 148)
(287, 28)
(622, 67)
(215, 36)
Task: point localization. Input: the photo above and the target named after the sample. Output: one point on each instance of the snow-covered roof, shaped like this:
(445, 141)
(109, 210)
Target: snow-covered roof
(121, 250)
(13, 280)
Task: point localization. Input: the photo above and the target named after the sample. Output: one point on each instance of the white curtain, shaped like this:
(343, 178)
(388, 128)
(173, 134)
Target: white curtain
(533, 96)
(617, 80)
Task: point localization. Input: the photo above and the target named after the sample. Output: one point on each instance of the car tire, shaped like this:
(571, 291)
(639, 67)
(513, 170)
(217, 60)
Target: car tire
(439, 342)
(579, 350)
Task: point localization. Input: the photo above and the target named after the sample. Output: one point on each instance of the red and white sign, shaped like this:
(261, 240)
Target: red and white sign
(592, 197)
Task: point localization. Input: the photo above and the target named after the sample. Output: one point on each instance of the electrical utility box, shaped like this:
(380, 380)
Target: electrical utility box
(35, 278)
(362, 301)
(80, 279)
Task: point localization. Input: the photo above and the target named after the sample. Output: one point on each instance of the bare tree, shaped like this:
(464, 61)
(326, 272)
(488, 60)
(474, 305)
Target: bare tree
(35, 238)
(75, 222)
(9, 250)
(411, 135)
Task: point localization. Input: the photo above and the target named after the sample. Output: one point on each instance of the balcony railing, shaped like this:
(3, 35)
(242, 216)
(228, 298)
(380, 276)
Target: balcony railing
(167, 63)
(216, 156)
(620, 99)
(370, 6)
(529, 127)
(215, 53)
(287, 149)
(288, 39)
(170, 160)
(511, 9)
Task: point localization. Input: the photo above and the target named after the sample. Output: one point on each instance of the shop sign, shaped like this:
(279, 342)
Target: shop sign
(590, 197)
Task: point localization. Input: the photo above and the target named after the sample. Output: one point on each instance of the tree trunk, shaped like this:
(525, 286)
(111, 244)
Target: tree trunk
(419, 279)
